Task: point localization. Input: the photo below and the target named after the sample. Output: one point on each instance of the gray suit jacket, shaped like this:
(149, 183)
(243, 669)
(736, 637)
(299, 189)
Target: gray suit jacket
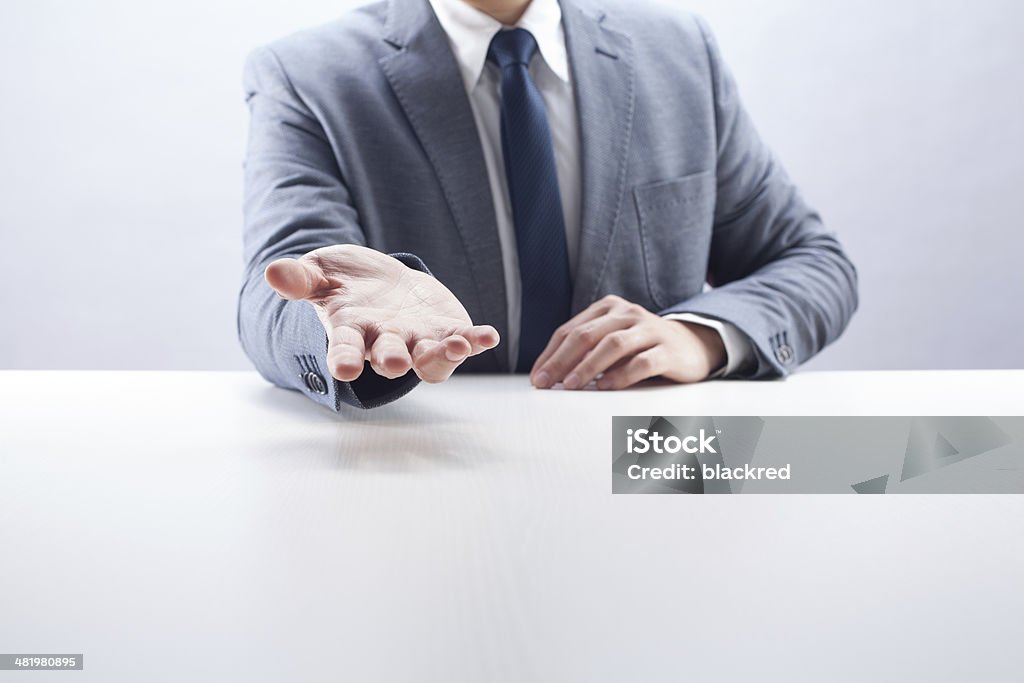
(361, 132)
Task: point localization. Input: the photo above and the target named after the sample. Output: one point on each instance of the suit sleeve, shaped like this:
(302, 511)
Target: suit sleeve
(295, 201)
(778, 273)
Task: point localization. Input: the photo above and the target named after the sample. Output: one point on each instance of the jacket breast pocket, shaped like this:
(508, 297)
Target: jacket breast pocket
(676, 218)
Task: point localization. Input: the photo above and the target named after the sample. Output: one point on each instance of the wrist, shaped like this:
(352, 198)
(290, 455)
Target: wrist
(711, 344)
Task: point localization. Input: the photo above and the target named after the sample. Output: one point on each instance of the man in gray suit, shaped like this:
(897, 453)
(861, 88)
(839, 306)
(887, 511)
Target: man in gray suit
(579, 179)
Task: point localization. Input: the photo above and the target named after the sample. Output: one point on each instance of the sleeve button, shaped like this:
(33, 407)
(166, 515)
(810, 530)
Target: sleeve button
(784, 354)
(314, 381)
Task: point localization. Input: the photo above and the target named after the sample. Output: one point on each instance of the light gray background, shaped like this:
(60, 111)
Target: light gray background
(122, 132)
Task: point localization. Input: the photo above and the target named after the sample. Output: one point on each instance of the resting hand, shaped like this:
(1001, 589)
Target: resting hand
(628, 344)
(375, 308)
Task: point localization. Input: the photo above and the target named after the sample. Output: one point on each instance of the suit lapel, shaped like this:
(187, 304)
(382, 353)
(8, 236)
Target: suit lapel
(424, 76)
(602, 72)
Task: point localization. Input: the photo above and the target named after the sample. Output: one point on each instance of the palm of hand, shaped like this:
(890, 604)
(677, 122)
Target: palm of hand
(375, 308)
(378, 294)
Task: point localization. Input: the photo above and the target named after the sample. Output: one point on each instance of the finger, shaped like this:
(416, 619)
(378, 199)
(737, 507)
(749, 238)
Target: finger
(617, 364)
(435, 361)
(295, 278)
(638, 368)
(594, 310)
(574, 347)
(480, 337)
(346, 352)
(613, 349)
(389, 356)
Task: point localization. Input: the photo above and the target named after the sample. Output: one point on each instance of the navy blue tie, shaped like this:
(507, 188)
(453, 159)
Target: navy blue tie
(533, 191)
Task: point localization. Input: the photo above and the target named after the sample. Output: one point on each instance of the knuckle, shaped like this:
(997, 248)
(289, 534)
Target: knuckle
(586, 335)
(618, 340)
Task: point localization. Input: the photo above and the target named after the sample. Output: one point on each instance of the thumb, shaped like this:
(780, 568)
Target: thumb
(295, 278)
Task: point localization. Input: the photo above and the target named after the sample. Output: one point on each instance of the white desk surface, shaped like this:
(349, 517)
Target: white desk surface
(208, 527)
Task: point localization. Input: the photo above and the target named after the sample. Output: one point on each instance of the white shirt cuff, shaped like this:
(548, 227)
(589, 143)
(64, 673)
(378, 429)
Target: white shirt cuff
(739, 351)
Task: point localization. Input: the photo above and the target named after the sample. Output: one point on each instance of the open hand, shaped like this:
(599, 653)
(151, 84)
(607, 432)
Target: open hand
(375, 308)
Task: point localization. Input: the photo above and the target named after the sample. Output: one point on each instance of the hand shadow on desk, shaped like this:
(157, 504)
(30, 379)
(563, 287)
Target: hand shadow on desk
(295, 404)
(404, 437)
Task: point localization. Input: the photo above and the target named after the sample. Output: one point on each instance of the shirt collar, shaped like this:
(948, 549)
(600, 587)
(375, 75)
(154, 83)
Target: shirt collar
(470, 32)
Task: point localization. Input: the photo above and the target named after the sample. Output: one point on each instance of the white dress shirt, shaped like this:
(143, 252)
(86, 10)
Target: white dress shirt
(469, 33)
